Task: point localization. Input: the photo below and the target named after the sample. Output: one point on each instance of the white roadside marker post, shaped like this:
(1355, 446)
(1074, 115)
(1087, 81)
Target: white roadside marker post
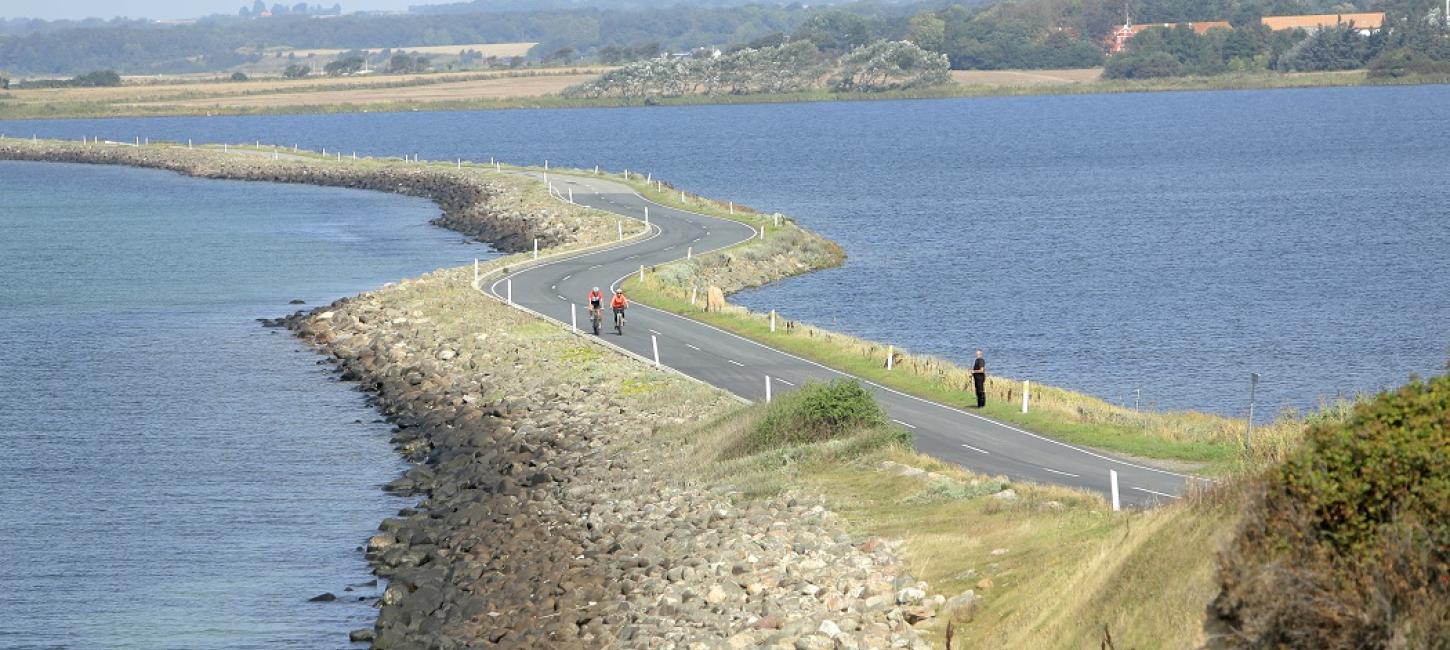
(536, 248)
(509, 291)
(596, 170)
(732, 207)
(620, 225)
(498, 167)
(689, 252)
(138, 140)
(460, 160)
(777, 220)
(225, 148)
(654, 342)
(646, 216)
(571, 195)
(574, 317)
(1026, 386)
(649, 177)
(641, 273)
(767, 389)
(546, 164)
(890, 356)
(1113, 479)
(682, 196)
(772, 321)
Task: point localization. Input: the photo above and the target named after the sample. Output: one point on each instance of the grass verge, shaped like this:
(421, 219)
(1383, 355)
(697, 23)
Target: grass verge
(1047, 567)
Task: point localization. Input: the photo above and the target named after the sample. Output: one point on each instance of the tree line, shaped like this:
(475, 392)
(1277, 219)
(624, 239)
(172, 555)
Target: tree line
(972, 34)
(1412, 40)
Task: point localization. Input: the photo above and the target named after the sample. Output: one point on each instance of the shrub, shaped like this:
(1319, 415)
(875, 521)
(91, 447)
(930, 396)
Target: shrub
(818, 412)
(1142, 65)
(1347, 544)
(239, 76)
(1403, 62)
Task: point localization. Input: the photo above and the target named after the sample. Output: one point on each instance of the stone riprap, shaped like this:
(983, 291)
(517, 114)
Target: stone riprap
(549, 517)
(549, 514)
(505, 210)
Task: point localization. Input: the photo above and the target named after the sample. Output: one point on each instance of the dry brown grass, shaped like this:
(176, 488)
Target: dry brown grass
(1025, 77)
(497, 88)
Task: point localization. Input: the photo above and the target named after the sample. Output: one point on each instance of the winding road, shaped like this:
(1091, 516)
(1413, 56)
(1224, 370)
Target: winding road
(741, 366)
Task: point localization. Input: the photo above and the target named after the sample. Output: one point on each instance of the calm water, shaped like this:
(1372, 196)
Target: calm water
(1170, 243)
(174, 476)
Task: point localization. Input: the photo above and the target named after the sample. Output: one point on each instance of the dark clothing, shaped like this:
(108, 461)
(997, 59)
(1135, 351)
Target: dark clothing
(979, 379)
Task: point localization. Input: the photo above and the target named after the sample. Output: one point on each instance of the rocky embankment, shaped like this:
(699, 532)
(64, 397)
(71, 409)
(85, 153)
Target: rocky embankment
(786, 251)
(549, 515)
(506, 211)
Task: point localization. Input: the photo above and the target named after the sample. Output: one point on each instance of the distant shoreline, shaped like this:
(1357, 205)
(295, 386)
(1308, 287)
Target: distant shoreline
(91, 103)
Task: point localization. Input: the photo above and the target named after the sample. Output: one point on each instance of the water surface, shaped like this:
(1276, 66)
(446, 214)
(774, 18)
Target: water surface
(174, 476)
(1165, 243)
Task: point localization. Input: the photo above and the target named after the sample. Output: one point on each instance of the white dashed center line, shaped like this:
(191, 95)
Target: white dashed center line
(563, 298)
(1154, 492)
(784, 381)
(655, 332)
(736, 362)
(909, 426)
(980, 451)
(1054, 471)
(566, 277)
(691, 346)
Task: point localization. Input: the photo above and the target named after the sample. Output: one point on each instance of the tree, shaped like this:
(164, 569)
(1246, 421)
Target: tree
(1143, 65)
(563, 55)
(343, 66)
(928, 31)
(891, 65)
(239, 76)
(295, 71)
(402, 63)
(99, 78)
(836, 31)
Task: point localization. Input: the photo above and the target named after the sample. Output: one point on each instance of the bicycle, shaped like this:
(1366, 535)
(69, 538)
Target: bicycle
(619, 322)
(596, 318)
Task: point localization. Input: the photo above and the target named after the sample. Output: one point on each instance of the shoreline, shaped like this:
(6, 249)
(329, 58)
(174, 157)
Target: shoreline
(23, 111)
(530, 510)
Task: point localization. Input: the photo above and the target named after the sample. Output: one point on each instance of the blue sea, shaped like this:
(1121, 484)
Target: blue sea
(1154, 245)
(175, 476)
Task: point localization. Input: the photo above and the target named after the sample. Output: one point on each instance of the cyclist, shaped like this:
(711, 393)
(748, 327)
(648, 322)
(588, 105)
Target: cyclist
(596, 300)
(596, 309)
(619, 303)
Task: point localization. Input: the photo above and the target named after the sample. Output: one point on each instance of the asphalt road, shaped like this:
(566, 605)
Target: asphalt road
(741, 366)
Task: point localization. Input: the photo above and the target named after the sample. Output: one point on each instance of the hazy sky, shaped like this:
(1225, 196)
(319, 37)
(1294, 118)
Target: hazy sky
(54, 9)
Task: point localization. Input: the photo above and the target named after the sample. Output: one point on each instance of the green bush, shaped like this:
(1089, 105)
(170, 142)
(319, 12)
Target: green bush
(1403, 62)
(1347, 545)
(818, 412)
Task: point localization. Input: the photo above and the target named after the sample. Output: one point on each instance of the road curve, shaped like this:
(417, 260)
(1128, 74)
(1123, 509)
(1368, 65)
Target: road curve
(741, 366)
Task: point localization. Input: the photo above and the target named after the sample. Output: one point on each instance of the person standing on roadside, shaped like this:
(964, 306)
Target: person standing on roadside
(979, 379)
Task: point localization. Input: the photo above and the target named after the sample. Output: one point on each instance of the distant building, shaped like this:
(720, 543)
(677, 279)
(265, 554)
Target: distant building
(1364, 22)
(1120, 36)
